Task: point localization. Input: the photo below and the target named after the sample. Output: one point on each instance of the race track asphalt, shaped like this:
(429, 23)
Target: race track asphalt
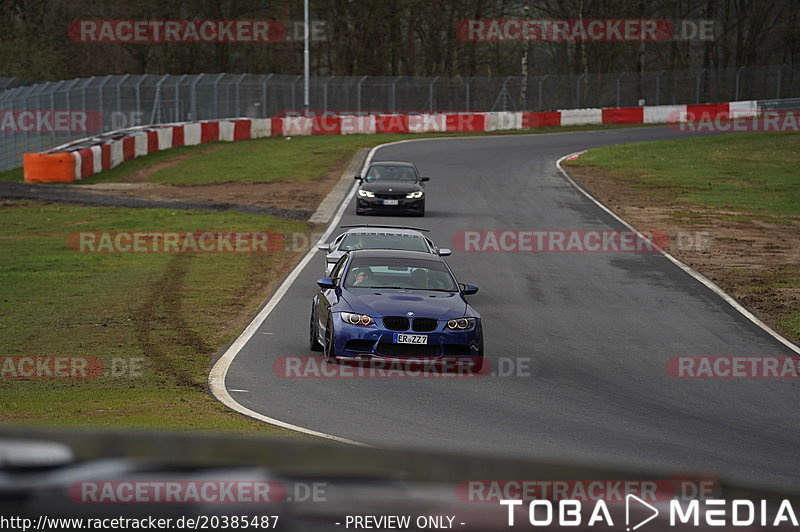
(596, 329)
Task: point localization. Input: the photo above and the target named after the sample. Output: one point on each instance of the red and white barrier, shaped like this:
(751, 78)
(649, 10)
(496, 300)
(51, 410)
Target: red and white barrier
(296, 125)
(112, 150)
(581, 117)
(743, 109)
(664, 114)
(351, 125)
(427, 123)
(503, 120)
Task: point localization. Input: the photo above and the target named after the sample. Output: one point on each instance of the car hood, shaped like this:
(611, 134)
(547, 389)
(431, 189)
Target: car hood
(396, 186)
(392, 302)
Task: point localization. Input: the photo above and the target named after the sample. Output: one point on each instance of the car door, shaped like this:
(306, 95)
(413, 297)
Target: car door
(329, 297)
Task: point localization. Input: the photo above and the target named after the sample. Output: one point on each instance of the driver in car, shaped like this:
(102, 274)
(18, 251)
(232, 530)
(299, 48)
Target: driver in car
(419, 279)
(363, 278)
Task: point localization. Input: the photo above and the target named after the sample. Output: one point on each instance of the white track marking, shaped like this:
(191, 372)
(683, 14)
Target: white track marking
(703, 279)
(216, 377)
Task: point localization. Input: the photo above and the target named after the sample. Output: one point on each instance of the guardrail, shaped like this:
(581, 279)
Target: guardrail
(85, 157)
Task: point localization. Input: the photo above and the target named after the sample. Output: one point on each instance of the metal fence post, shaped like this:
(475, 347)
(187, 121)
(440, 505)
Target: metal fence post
(216, 96)
(83, 93)
(119, 91)
(697, 86)
(52, 107)
(139, 94)
(265, 104)
(69, 100)
(469, 90)
(155, 115)
(358, 92)
(178, 98)
(541, 82)
(658, 87)
(325, 94)
(238, 94)
(294, 90)
(778, 85)
(394, 93)
(432, 95)
(193, 97)
(736, 91)
(578, 91)
(100, 97)
(618, 80)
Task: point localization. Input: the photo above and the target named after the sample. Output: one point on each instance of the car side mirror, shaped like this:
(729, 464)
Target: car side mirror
(357, 177)
(324, 247)
(421, 179)
(326, 283)
(444, 252)
(468, 289)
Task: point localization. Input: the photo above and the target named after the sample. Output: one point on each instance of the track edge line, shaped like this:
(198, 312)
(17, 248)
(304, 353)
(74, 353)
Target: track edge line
(218, 372)
(708, 283)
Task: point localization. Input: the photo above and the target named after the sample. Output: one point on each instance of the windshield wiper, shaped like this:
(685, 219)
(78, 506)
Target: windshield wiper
(437, 290)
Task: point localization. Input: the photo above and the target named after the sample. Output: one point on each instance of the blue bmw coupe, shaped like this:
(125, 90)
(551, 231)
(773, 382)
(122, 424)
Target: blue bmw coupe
(395, 304)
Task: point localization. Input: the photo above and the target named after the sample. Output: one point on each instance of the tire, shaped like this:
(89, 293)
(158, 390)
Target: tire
(359, 212)
(328, 354)
(422, 212)
(313, 342)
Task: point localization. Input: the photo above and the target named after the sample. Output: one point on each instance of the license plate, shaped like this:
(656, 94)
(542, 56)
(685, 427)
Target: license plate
(400, 338)
(391, 202)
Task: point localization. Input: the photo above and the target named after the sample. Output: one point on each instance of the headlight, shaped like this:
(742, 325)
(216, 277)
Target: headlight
(357, 319)
(461, 324)
(366, 193)
(414, 195)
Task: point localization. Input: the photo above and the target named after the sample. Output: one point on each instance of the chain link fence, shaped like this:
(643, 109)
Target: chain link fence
(44, 115)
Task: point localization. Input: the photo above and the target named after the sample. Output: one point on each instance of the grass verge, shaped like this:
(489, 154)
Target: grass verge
(164, 314)
(742, 190)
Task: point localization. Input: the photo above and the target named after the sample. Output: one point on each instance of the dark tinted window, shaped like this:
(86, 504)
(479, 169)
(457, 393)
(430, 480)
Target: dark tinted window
(383, 241)
(380, 172)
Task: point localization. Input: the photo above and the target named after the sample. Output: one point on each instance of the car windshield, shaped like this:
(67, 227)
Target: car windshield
(410, 274)
(385, 172)
(355, 241)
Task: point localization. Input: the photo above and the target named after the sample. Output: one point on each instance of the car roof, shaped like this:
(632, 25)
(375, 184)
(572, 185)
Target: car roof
(383, 231)
(393, 254)
(392, 163)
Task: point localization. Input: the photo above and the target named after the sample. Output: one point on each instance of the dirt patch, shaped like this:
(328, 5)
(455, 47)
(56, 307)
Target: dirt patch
(284, 194)
(143, 175)
(756, 262)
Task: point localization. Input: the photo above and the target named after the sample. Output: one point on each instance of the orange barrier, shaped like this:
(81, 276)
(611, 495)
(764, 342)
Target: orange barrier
(49, 167)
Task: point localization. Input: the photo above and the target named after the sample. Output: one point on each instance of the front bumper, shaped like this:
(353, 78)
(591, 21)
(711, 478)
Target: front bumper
(404, 205)
(356, 342)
